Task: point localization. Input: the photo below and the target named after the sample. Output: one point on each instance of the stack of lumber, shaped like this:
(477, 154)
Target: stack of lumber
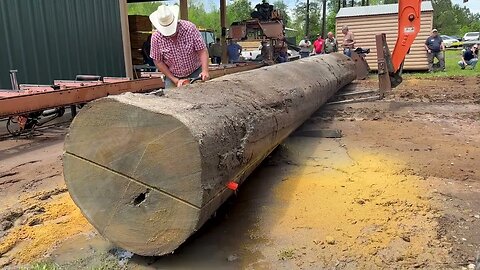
(140, 27)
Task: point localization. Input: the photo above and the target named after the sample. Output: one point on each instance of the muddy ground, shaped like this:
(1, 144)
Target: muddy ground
(399, 190)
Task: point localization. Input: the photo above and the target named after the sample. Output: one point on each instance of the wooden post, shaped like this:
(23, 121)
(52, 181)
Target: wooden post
(223, 27)
(184, 10)
(127, 49)
(149, 171)
(307, 23)
(324, 15)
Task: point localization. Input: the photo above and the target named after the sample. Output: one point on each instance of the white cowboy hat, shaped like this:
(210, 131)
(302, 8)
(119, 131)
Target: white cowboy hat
(165, 19)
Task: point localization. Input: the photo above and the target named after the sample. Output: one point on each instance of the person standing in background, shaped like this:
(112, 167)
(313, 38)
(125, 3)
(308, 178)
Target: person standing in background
(305, 45)
(435, 47)
(331, 44)
(216, 52)
(318, 45)
(348, 41)
(233, 51)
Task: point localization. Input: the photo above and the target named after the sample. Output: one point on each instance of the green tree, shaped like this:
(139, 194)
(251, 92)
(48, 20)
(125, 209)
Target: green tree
(198, 14)
(238, 10)
(142, 8)
(452, 19)
(300, 14)
(282, 6)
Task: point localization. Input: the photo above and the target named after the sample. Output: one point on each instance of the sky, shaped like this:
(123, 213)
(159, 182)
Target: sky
(473, 5)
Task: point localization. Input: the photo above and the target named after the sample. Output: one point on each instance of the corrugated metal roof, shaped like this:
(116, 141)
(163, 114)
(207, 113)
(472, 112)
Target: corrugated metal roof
(376, 10)
(50, 39)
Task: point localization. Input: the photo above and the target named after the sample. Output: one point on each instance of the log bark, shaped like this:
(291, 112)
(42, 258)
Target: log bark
(148, 171)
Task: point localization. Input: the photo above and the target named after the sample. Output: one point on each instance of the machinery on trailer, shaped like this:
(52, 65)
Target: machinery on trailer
(266, 28)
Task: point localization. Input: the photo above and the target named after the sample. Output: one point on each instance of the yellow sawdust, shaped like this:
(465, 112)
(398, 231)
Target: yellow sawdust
(61, 220)
(374, 210)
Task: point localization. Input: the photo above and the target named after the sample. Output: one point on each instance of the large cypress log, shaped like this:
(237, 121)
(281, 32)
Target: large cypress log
(148, 171)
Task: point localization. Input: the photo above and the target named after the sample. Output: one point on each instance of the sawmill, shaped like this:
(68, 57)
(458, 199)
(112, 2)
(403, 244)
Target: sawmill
(135, 137)
(177, 157)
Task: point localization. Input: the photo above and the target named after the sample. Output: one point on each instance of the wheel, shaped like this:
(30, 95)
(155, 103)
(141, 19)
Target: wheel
(13, 126)
(17, 125)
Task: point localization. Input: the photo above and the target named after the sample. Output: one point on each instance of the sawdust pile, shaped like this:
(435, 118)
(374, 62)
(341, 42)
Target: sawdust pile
(43, 224)
(366, 212)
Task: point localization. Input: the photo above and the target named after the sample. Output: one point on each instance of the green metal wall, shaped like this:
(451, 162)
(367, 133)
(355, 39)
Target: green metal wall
(58, 39)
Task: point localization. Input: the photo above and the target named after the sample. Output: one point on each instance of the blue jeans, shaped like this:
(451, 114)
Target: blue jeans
(347, 52)
(169, 84)
(304, 54)
(471, 62)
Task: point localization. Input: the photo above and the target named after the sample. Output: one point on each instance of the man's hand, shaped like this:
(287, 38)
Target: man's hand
(429, 51)
(205, 76)
(182, 82)
(175, 81)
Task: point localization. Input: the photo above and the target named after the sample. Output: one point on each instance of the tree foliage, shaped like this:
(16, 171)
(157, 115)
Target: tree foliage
(300, 15)
(142, 9)
(281, 5)
(449, 19)
(452, 19)
(198, 14)
(238, 10)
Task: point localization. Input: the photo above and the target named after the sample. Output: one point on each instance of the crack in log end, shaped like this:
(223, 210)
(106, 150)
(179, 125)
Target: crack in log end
(140, 198)
(7, 174)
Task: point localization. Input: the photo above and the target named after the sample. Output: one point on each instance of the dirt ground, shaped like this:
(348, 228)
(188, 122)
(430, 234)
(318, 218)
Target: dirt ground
(399, 190)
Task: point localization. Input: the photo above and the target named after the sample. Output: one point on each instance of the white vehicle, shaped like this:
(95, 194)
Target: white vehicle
(471, 36)
(448, 41)
(250, 54)
(253, 54)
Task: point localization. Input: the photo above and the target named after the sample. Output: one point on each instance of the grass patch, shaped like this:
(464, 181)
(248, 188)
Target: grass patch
(286, 254)
(42, 266)
(452, 56)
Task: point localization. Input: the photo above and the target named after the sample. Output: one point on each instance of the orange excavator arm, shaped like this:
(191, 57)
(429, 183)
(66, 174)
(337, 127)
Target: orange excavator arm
(390, 66)
(408, 28)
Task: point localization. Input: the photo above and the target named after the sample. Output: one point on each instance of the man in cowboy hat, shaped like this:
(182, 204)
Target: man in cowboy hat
(177, 47)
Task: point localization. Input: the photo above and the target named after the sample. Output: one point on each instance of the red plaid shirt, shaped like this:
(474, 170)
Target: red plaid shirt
(179, 55)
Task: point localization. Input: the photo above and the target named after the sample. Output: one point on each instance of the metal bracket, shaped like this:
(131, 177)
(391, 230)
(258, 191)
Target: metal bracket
(384, 83)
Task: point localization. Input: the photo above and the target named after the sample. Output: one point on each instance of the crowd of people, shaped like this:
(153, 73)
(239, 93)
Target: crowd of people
(320, 45)
(436, 49)
(328, 45)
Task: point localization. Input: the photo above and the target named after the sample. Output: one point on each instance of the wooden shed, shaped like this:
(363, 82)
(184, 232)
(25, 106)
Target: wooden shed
(367, 21)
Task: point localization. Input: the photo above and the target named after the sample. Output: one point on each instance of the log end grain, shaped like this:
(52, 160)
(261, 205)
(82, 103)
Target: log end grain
(136, 176)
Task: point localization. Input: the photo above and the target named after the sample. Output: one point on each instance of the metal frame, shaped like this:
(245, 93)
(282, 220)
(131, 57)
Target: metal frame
(384, 62)
(23, 103)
